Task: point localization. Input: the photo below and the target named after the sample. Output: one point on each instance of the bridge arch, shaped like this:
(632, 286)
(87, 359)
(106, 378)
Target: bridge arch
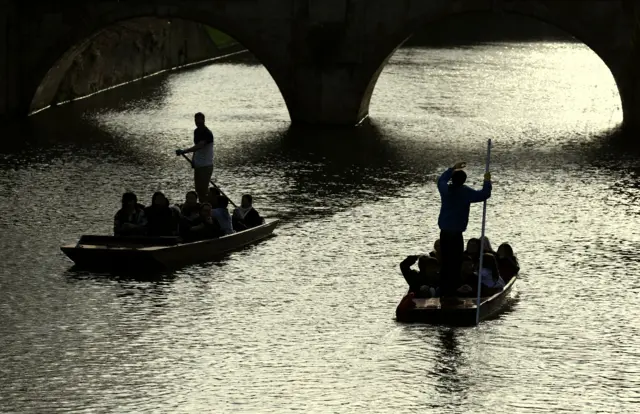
(55, 57)
(535, 10)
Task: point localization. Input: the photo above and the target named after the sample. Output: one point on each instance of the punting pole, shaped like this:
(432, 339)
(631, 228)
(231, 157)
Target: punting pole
(484, 221)
(211, 181)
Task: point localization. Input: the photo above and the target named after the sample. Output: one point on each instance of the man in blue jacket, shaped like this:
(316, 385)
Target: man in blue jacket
(454, 216)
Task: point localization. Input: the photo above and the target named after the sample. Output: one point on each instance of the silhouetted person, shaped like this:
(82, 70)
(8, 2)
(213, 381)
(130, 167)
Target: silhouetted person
(436, 251)
(490, 279)
(222, 216)
(456, 199)
(507, 262)
(424, 282)
(130, 219)
(245, 216)
(202, 156)
(473, 249)
(204, 227)
(190, 209)
(161, 219)
(468, 278)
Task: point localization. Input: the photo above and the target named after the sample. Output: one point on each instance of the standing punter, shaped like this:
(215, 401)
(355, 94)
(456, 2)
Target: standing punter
(454, 217)
(202, 157)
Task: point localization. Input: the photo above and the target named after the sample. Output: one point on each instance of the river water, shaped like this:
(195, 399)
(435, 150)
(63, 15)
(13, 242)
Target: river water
(305, 321)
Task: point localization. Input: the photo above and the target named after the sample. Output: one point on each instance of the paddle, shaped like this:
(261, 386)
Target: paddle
(211, 181)
(484, 221)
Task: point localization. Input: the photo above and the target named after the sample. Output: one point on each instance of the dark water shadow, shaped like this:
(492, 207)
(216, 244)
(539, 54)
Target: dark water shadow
(60, 136)
(448, 360)
(618, 152)
(76, 273)
(331, 170)
(448, 364)
(610, 147)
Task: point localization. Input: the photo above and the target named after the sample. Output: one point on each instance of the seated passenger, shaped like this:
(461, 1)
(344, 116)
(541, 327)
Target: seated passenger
(490, 275)
(473, 249)
(191, 208)
(222, 216)
(423, 283)
(468, 278)
(161, 219)
(507, 262)
(468, 274)
(245, 216)
(203, 228)
(436, 251)
(130, 219)
(431, 269)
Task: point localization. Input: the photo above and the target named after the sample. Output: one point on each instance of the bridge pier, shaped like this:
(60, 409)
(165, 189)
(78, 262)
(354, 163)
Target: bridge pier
(329, 97)
(630, 98)
(625, 68)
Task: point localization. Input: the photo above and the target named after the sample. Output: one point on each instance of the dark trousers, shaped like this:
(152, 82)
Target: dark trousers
(452, 251)
(201, 178)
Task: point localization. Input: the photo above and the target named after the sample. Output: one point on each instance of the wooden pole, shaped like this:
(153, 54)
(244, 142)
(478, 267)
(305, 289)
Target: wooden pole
(484, 221)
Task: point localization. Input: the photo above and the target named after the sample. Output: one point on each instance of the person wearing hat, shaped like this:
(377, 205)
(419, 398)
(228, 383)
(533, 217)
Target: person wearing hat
(456, 199)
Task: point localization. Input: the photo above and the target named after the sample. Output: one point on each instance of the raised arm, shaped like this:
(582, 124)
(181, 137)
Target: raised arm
(444, 180)
(405, 265)
(410, 275)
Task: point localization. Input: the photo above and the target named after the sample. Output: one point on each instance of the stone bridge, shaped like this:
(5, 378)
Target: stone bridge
(324, 55)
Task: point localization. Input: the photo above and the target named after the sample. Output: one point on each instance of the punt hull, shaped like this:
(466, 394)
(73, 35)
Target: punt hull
(429, 310)
(101, 256)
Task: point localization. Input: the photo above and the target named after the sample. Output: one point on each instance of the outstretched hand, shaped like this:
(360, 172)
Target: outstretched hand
(460, 165)
(179, 152)
(487, 176)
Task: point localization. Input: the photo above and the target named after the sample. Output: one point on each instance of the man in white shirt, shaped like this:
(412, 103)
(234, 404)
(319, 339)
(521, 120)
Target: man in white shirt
(202, 157)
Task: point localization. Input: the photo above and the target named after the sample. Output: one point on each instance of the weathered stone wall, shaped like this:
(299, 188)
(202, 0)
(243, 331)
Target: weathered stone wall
(136, 48)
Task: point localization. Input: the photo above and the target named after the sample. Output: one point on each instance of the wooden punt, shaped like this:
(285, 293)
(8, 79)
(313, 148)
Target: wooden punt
(157, 253)
(429, 310)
